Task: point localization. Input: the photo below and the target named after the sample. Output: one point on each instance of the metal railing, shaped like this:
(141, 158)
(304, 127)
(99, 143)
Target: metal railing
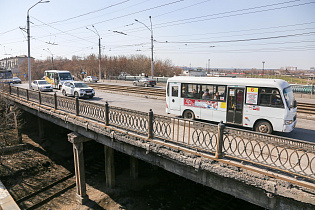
(280, 153)
(305, 89)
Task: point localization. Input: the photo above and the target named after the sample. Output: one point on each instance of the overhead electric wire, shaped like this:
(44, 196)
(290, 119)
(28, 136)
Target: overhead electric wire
(88, 13)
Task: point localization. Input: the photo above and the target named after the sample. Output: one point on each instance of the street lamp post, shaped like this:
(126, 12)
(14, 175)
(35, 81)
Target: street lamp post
(99, 52)
(151, 30)
(52, 57)
(263, 68)
(29, 43)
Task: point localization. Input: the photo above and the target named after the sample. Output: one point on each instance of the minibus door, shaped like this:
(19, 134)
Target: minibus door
(235, 105)
(56, 80)
(174, 96)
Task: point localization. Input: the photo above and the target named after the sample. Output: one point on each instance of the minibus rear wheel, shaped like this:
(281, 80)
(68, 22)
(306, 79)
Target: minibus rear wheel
(263, 127)
(188, 114)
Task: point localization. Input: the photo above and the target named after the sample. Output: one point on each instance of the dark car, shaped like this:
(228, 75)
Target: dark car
(145, 82)
(16, 80)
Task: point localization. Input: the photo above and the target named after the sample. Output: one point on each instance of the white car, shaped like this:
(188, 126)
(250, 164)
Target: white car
(41, 85)
(90, 79)
(77, 89)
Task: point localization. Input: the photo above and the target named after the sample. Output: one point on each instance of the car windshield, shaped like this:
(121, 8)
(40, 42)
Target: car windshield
(43, 82)
(81, 85)
(15, 78)
(93, 77)
(289, 97)
(65, 76)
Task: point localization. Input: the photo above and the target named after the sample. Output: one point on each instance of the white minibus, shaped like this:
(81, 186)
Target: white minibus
(265, 105)
(57, 77)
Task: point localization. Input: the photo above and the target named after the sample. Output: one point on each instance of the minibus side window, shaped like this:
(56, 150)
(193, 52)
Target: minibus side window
(270, 97)
(175, 91)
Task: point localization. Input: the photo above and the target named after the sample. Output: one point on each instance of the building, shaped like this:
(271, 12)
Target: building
(14, 64)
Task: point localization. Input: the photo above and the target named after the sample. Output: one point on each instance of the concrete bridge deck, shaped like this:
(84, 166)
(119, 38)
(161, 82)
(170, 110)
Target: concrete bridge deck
(257, 176)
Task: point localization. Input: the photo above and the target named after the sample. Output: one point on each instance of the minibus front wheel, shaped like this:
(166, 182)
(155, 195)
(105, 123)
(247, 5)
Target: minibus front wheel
(263, 126)
(188, 114)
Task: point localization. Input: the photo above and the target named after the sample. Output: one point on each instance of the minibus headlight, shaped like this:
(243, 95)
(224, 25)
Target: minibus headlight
(288, 122)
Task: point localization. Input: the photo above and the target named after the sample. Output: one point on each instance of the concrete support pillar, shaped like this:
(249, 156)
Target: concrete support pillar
(41, 132)
(16, 125)
(109, 167)
(134, 167)
(77, 141)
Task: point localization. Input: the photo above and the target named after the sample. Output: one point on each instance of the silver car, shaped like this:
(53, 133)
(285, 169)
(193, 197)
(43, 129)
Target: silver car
(77, 89)
(90, 79)
(41, 85)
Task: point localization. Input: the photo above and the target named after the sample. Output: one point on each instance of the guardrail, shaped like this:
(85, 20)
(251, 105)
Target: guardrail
(279, 153)
(306, 89)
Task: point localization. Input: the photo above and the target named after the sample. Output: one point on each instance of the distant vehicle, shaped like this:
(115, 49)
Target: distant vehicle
(77, 89)
(145, 82)
(90, 79)
(41, 85)
(6, 76)
(57, 77)
(16, 80)
(265, 105)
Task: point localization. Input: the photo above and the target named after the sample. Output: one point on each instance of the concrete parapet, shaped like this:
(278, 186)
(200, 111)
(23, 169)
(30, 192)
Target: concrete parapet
(6, 200)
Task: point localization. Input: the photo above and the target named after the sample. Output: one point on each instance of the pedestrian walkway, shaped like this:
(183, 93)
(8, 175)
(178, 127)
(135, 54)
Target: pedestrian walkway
(6, 200)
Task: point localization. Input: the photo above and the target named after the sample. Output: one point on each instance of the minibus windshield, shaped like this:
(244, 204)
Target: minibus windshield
(65, 76)
(289, 97)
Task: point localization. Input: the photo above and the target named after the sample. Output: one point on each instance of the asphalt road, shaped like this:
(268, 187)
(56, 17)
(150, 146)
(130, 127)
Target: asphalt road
(304, 130)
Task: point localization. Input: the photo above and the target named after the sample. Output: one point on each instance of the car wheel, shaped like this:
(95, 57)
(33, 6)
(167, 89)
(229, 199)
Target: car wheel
(90, 96)
(263, 127)
(188, 114)
(135, 84)
(76, 94)
(64, 93)
(152, 85)
(145, 85)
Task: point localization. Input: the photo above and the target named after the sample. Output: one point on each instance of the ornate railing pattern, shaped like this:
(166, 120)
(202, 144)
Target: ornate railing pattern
(288, 155)
(278, 152)
(92, 110)
(47, 99)
(128, 119)
(66, 104)
(33, 95)
(202, 136)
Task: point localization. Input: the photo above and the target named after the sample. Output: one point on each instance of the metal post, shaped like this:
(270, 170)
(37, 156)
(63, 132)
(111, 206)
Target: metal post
(29, 51)
(17, 92)
(150, 124)
(10, 89)
(106, 114)
(76, 106)
(27, 96)
(29, 42)
(55, 99)
(99, 57)
(218, 153)
(39, 97)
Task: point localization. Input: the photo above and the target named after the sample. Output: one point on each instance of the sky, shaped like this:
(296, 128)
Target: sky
(192, 33)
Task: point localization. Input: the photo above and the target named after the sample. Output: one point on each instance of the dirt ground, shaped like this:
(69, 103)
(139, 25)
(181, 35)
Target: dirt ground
(31, 168)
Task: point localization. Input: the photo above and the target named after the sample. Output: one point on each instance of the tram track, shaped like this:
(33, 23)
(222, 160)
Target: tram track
(304, 108)
(42, 196)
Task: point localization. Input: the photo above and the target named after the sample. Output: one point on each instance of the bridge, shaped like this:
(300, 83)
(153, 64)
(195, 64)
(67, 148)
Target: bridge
(270, 171)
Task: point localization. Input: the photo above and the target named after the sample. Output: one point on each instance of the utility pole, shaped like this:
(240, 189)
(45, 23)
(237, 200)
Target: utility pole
(29, 43)
(99, 52)
(263, 68)
(151, 30)
(52, 57)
